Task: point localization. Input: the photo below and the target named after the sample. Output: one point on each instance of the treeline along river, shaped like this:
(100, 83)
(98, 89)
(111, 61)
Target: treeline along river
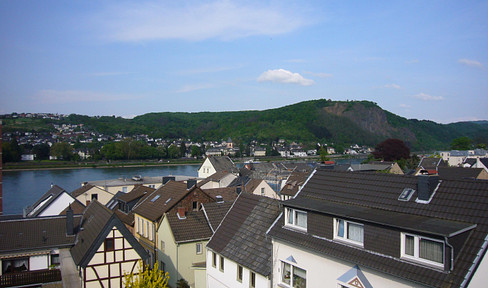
(24, 188)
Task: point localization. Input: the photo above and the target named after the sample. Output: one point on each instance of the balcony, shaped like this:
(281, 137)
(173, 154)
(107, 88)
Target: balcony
(30, 278)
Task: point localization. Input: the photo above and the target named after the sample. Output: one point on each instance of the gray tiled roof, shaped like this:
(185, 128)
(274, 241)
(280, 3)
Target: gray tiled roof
(241, 236)
(96, 223)
(294, 182)
(459, 173)
(223, 164)
(456, 205)
(35, 233)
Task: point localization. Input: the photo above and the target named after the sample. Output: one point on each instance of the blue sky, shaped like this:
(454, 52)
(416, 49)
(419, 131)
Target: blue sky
(418, 59)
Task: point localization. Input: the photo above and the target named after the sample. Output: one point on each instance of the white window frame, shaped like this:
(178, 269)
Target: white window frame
(291, 218)
(345, 237)
(240, 273)
(292, 268)
(198, 247)
(416, 250)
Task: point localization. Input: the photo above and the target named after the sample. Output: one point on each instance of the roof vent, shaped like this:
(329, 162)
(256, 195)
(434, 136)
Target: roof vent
(406, 194)
(167, 201)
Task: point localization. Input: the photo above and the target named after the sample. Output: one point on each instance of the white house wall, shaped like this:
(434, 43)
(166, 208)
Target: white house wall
(228, 278)
(324, 271)
(102, 196)
(206, 169)
(58, 205)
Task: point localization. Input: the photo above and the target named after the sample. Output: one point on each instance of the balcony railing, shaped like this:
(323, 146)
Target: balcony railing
(30, 277)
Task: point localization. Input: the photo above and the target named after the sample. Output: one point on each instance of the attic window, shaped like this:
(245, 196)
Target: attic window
(155, 198)
(406, 194)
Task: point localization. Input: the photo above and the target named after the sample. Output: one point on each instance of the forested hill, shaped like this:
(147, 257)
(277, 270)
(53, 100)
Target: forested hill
(337, 122)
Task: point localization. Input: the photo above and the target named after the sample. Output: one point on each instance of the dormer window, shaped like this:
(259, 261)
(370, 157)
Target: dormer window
(348, 231)
(423, 249)
(296, 218)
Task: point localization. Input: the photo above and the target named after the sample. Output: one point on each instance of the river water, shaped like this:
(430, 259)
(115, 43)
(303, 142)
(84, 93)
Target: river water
(24, 188)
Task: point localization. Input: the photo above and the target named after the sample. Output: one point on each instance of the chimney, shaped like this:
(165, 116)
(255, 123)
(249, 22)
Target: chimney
(181, 213)
(69, 221)
(166, 179)
(426, 186)
(190, 183)
(1, 188)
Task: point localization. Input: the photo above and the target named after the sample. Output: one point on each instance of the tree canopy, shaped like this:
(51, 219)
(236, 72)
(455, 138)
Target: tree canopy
(150, 278)
(391, 150)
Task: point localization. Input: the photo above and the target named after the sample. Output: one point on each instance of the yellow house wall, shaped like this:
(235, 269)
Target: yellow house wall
(103, 195)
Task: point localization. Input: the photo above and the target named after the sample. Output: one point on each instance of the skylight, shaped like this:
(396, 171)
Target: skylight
(155, 198)
(406, 194)
(167, 201)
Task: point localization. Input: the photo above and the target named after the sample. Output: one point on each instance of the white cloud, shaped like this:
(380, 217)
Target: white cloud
(284, 76)
(392, 85)
(195, 21)
(406, 106)
(470, 63)
(319, 75)
(427, 97)
(77, 96)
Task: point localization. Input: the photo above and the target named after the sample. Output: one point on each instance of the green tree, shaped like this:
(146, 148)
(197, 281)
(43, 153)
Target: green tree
(11, 152)
(391, 150)
(174, 152)
(62, 150)
(41, 151)
(150, 278)
(323, 155)
(195, 151)
(461, 143)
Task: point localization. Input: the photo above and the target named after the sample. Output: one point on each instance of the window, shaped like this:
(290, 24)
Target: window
(252, 279)
(199, 248)
(349, 231)
(423, 249)
(147, 230)
(296, 218)
(162, 246)
(221, 263)
(262, 191)
(142, 227)
(15, 265)
(239, 273)
(94, 196)
(124, 189)
(55, 261)
(109, 244)
(293, 276)
(214, 259)
(162, 266)
(195, 206)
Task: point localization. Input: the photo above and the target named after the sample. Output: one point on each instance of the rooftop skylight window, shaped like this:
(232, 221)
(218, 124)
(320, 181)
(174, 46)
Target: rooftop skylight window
(155, 198)
(406, 194)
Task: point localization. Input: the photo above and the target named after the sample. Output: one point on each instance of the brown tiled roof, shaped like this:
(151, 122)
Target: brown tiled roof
(136, 193)
(216, 212)
(160, 201)
(77, 207)
(127, 219)
(81, 190)
(241, 237)
(456, 205)
(293, 183)
(193, 227)
(227, 193)
(27, 234)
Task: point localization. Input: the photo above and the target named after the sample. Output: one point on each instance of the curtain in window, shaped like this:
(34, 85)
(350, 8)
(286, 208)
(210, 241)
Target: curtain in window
(409, 245)
(290, 216)
(286, 273)
(355, 232)
(301, 219)
(299, 277)
(340, 228)
(431, 250)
